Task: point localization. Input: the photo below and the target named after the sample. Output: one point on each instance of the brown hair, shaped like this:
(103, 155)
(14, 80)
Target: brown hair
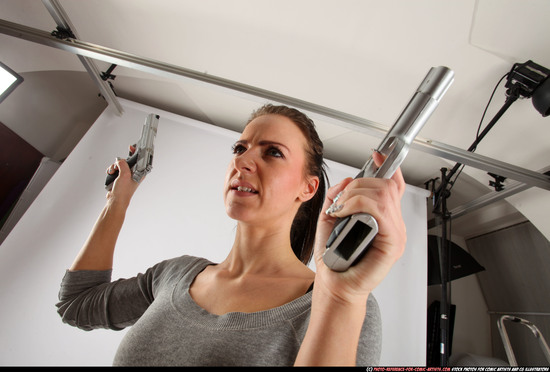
(304, 226)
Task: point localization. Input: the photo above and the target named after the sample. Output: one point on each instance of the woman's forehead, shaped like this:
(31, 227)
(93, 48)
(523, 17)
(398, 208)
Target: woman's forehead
(276, 127)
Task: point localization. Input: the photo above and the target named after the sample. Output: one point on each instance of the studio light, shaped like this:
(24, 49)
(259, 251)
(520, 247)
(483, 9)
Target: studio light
(541, 98)
(9, 80)
(530, 80)
(460, 262)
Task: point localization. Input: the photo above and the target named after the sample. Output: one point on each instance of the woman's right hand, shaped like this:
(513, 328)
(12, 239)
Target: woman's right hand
(380, 198)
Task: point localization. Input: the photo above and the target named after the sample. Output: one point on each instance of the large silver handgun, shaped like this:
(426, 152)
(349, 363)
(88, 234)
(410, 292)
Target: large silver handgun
(352, 235)
(141, 161)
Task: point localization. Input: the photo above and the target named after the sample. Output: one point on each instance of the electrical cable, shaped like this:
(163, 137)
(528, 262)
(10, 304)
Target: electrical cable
(452, 183)
(487, 106)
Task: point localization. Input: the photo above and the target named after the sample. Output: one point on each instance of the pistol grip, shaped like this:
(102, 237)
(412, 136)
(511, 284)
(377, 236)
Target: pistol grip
(349, 241)
(132, 160)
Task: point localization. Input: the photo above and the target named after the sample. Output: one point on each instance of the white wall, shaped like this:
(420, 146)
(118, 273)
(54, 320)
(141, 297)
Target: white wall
(534, 204)
(177, 210)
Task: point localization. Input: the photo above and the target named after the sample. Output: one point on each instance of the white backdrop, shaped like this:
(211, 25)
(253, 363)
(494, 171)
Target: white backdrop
(177, 210)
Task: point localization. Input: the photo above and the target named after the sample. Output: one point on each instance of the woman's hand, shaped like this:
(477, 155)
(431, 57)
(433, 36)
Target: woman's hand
(380, 198)
(339, 300)
(124, 186)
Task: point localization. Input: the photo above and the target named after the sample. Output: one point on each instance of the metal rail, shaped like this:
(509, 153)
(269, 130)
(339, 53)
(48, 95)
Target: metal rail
(62, 20)
(484, 200)
(342, 119)
(506, 340)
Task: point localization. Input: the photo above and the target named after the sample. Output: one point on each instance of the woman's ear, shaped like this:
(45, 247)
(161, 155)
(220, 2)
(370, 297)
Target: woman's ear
(310, 188)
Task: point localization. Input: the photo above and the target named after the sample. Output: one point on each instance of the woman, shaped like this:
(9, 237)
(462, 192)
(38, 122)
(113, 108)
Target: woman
(262, 305)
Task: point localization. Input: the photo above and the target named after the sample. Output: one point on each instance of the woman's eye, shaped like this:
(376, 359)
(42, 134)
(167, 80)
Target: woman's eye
(275, 152)
(238, 149)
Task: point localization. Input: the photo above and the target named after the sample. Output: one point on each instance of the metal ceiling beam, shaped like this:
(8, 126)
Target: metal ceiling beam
(481, 202)
(355, 123)
(511, 189)
(487, 199)
(529, 177)
(62, 20)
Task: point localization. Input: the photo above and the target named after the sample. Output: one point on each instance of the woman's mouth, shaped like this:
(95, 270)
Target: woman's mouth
(245, 189)
(242, 187)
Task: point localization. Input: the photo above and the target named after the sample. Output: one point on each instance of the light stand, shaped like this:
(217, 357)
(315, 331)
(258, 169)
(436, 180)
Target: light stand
(524, 80)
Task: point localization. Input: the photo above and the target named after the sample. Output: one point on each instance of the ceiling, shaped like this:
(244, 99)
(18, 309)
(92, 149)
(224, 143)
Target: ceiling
(361, 57)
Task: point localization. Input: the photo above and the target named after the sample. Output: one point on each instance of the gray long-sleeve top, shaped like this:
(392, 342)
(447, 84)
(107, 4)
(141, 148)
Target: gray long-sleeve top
(169, 328)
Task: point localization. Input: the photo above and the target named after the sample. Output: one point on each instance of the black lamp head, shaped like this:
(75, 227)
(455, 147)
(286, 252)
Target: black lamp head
(541, 98)
(528, 80)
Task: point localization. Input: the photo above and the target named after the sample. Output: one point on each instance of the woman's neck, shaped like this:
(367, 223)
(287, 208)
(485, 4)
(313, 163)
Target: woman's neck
(261, 250)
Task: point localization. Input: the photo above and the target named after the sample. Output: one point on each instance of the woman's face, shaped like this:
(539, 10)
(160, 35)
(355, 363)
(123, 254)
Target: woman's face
(265, 181)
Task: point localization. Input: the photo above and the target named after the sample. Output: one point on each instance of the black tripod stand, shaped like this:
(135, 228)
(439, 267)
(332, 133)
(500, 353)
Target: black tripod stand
(443, 218)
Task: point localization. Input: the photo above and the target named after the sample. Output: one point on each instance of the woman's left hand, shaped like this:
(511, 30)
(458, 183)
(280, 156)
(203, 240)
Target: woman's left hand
(381, 198)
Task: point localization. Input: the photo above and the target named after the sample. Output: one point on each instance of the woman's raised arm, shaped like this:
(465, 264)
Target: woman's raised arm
(98, 250)
(339, 298)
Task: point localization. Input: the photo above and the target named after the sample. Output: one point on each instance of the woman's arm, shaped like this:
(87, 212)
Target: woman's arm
(339, 298)
(98, 250)
(333, 333)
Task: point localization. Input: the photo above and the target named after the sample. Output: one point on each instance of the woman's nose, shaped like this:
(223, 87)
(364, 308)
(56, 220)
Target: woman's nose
(245, 162)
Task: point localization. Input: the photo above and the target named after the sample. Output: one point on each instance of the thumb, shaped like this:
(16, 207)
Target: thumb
(123, 167)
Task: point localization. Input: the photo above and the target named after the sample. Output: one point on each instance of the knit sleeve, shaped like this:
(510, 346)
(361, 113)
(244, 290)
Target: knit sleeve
(89, 299)
(370, 342)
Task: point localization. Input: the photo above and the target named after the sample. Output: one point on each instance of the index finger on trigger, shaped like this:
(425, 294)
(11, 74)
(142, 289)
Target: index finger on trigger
(397, 176)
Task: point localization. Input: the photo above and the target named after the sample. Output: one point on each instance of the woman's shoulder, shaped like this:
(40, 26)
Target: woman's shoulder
(185, 261)
(177, 268)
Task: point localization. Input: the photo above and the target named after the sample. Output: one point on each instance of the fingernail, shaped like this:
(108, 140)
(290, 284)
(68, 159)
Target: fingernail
(334, 208)
(337, 197)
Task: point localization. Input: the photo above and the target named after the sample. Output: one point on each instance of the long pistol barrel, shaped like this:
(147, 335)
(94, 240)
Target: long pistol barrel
(352, 235)
(397, 141)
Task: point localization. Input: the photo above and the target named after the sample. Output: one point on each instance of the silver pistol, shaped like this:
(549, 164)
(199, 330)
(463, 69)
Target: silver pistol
(141, 161)
(352, 235)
